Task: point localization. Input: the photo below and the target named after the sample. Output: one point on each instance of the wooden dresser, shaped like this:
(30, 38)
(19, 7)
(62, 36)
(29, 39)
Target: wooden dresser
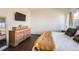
(16, 36)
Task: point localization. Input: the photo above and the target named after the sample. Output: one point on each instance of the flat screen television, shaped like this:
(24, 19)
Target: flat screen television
(20, 16)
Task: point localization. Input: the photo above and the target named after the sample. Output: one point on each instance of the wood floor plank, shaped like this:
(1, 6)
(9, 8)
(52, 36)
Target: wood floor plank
(26, 45)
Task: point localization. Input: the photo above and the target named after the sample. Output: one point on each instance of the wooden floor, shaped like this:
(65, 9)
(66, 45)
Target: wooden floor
(25, 45)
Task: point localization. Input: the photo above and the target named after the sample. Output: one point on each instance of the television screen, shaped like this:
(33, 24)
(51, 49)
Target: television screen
(20, 16)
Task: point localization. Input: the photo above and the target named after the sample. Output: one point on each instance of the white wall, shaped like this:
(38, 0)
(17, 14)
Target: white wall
(48, 19)
(9, 15)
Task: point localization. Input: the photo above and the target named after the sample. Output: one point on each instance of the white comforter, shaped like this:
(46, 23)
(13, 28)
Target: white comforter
(64, 42)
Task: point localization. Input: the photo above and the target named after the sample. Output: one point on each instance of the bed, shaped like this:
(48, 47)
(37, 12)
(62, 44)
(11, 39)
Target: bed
(64, 42)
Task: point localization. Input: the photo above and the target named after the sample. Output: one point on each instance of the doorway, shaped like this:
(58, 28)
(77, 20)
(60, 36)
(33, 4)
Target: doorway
(3, 34)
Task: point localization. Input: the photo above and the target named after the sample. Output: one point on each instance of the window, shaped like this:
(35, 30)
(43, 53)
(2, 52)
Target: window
(76, 15)
(76, 19)
(2, 23)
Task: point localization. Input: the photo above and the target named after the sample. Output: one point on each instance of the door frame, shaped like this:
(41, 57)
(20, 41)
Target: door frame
(6, 31)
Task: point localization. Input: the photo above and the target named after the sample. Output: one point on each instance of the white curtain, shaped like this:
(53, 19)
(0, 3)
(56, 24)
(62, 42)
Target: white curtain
(70, 19)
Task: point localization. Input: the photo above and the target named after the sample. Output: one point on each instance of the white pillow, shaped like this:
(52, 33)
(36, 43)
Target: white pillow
(77, 32)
